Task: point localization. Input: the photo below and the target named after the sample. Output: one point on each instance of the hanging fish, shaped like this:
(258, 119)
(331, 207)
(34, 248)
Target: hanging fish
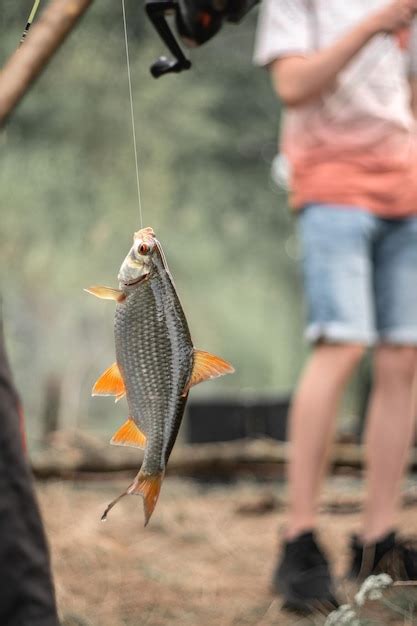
(156, 362)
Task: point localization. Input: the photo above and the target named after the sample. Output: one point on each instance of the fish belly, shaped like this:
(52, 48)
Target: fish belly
(155, 355)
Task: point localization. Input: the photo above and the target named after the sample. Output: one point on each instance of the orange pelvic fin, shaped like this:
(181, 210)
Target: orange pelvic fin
(106, 293)
(129, 435)
(146, 485)
(110, 383)
(207, 366)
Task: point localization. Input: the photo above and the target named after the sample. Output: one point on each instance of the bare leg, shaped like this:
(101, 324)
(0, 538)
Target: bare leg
(388, 436)
(312, 419)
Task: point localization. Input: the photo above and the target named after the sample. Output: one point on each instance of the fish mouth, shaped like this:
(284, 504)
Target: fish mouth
(136, 282)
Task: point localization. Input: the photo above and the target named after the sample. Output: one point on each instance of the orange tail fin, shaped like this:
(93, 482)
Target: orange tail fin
(146, 485)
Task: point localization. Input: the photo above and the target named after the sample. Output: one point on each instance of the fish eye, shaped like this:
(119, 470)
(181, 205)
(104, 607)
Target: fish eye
(143, 248)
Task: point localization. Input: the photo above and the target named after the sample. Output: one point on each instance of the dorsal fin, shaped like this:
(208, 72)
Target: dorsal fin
(207, 366)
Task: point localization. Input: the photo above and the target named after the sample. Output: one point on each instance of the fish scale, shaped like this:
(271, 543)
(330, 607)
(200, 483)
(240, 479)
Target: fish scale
(154, 354)
(156, 362)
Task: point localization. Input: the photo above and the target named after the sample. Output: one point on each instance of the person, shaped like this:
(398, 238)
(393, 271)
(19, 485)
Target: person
(26, 595)
(346, 73)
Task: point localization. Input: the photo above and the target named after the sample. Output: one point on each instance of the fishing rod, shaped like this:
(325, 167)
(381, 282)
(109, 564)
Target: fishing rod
(196, 21)
(30, 20)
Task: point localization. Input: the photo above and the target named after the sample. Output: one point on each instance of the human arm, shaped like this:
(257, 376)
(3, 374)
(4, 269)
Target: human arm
(412, 67)
(298, 79)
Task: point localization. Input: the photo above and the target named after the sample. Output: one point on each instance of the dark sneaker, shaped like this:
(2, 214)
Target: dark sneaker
(392, 556)
(303, 578)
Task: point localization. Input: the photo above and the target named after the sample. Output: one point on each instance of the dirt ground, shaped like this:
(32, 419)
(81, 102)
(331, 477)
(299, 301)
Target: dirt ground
(205, 559)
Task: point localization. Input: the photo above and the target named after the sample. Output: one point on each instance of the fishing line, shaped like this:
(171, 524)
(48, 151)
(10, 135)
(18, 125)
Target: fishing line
(30, 20)
(132, 112)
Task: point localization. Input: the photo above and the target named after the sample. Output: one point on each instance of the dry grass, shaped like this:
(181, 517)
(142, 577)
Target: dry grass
(202, 561)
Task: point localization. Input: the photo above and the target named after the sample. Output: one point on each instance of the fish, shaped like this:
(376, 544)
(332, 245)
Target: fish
(156, 362)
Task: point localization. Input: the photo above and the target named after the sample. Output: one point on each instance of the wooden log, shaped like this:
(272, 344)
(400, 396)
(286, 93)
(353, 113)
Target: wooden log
(45, 37)
(76, 453)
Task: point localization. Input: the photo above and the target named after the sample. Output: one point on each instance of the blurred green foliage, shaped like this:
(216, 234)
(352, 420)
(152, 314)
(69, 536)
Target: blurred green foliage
(68, 195)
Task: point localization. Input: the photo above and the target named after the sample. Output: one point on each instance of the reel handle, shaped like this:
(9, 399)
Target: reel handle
(156, 10)
(163, 66)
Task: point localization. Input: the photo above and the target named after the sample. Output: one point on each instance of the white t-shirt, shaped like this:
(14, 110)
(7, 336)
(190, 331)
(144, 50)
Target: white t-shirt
(363, 128)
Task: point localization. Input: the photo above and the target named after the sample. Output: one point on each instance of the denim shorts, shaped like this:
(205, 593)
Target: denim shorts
(360, 275)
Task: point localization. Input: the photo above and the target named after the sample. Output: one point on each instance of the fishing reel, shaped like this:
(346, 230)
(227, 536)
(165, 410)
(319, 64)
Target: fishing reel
(196, 21)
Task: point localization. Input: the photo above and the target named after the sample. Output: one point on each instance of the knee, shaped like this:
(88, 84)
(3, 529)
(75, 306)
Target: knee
(395, 364)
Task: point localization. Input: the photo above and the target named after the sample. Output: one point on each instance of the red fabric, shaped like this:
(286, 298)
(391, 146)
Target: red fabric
(386, 192)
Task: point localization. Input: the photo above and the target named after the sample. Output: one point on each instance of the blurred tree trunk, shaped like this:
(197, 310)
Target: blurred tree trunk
(50, 417)
(26, 64)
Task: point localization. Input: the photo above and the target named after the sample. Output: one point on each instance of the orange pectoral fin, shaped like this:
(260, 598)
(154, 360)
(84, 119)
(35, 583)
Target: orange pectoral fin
(110, 383)
(129, 435)
(207, 366)
(106, 293)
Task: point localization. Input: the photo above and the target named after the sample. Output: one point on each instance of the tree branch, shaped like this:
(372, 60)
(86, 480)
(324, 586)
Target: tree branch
(45, 37)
